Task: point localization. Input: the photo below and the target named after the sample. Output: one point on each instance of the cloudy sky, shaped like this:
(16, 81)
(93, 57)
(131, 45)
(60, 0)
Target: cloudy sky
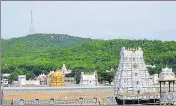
(98, 19)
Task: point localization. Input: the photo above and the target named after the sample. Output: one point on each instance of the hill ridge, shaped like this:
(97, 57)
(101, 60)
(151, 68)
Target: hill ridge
(41, 54)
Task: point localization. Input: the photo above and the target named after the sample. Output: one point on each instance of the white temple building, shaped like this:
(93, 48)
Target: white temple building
(88, 79)
(132, 75)
(22, 81)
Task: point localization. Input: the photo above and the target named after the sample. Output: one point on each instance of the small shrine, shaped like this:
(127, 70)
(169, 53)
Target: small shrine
(167, 86)
(64, 70)
(57, 79)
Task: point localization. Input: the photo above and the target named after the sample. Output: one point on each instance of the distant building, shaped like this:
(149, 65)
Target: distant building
(89, 79)
(110, 70)
(5, 79)
(151, 66)
(22, 81)
(43, 79)
(32, 82)
(70, 81)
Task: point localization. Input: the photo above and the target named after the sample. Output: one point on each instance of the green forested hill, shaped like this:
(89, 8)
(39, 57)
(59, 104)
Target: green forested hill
(45, 54)
(39, 43)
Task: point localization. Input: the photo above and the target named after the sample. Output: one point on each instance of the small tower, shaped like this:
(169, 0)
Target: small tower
(64, 70)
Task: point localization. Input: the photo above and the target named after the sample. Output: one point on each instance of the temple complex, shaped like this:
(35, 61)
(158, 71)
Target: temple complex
(132, 80)
(57, 79)
(89, 79)
(132, 84)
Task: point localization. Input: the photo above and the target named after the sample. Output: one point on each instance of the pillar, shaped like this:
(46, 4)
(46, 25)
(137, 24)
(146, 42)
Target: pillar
(160, 91)
(169, 86)
(173, 86)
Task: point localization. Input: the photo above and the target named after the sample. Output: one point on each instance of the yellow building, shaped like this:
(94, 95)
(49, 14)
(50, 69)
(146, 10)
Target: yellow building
(57, 79)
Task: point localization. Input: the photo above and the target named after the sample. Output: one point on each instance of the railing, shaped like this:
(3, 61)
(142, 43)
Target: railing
(57, 89)
(63, 102)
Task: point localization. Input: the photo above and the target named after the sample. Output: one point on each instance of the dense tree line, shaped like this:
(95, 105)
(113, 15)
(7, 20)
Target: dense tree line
(41, 53)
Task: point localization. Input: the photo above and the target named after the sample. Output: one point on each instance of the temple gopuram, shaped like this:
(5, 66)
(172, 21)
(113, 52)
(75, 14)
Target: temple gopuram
(133, 83)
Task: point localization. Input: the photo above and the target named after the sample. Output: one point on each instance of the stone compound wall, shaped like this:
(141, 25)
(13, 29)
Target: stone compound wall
(59, 95)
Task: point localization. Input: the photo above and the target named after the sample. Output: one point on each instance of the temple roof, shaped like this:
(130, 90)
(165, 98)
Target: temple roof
(42, 76)
(167, 79)
(131, 48)
(167, 72)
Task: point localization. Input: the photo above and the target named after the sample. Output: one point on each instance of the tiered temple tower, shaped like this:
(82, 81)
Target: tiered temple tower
(57, 79)
(132, 75)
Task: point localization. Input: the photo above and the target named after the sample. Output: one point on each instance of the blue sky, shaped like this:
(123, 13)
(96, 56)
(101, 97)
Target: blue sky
(98, 19)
